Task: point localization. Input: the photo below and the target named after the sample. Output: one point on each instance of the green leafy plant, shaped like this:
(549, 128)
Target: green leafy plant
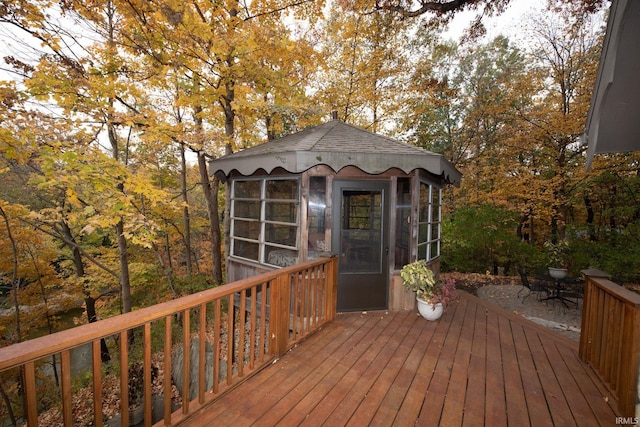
(417, 277)
(558, 253)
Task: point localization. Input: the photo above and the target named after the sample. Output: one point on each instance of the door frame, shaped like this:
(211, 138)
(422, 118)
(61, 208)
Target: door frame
(354, 283)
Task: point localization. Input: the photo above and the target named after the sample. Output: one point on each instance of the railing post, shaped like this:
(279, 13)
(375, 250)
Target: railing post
(588, 315)
(628, 401)
(610, 337)
(279, 321)
(331, 276)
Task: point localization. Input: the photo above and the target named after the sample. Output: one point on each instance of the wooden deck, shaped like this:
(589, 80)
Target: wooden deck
(478, 365)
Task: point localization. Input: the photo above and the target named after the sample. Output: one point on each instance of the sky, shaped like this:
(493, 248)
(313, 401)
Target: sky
(510, 23)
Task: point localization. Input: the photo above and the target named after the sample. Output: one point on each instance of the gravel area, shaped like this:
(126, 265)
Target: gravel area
(552, 314)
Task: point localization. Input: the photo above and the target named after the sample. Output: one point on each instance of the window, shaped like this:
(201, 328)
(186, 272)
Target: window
(316, 212)
(264, 220)
(403, 225)
(429, 222)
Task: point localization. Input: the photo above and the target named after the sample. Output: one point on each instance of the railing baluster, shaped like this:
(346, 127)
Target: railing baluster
(306, 302)
(309, 283)
(202, 354)
(186, 364)
(97, 383)
(216, 345)
(252, 337)
(67, 404)
(230, 339)
(147, 373)
(316, 296)
(124, 378)
(297, 307)
(314, 300)
(241, 332)
(263, 321)
(167, 369)
(30, 392)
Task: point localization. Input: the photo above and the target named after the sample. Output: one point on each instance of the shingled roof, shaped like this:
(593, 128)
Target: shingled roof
(337, 145)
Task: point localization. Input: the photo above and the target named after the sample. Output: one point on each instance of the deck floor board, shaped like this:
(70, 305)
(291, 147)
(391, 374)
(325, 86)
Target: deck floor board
(477, 365)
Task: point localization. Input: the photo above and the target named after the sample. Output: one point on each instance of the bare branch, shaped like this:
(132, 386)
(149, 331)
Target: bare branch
(73, 245)
(438, 7)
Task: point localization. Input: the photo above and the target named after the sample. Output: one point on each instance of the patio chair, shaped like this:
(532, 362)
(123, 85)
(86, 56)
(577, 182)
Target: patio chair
(536, 286)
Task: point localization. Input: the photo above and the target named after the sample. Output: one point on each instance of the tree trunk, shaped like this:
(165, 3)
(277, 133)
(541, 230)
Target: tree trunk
(125, 282)
(89, 301)
(520, 233)
(210, 190)
(187, 219)
(15, 285)
(590, 217)
(47, 312)
(7, 403)
(15, 280)
(92, 315)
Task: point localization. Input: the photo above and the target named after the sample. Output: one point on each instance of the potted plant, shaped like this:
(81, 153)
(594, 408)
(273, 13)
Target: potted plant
(136, 393)
(558, 258)
(432, 294)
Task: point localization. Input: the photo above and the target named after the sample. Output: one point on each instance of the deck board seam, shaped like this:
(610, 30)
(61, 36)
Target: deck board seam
(346, 362)
(463, 362)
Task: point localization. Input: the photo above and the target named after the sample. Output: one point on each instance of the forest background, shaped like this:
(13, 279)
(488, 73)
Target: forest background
(113, 109)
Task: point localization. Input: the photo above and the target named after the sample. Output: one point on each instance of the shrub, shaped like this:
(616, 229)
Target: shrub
(480, 239)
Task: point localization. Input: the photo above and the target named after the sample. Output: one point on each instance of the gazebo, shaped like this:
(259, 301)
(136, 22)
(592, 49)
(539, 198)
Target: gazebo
(336, 189)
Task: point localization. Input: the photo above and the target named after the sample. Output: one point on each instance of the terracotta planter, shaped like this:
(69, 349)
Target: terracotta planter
(428, 311)
(558, 273)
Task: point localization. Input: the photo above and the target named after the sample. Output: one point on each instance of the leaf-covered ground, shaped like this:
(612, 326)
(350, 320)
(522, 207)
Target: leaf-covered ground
(471, 282)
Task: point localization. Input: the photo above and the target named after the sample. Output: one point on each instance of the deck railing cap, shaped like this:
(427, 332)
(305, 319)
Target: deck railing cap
(594, 272)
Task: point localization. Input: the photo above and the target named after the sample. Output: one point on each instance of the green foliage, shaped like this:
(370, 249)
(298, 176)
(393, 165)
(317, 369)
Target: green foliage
(558, 253)
(81, 380)
(616, 255)
(194, 283)
(417, 277)
(148, 284)
(480, 239)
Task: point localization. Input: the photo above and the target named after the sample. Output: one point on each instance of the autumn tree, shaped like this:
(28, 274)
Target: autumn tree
(462, 103)
(279, 82)
(231, 76)
(433, 108)
(566, 51)
(362, 74)
(91, 86)
(438, 12)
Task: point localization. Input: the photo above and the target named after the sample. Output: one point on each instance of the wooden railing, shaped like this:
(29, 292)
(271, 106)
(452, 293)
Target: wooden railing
(610, 337)
(237, 329)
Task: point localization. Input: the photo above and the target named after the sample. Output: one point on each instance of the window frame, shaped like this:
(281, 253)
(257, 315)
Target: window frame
(425, 248)
(261, 240)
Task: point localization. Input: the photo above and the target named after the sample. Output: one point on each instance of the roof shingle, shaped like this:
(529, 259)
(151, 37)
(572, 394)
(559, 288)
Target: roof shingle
(337, 145)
